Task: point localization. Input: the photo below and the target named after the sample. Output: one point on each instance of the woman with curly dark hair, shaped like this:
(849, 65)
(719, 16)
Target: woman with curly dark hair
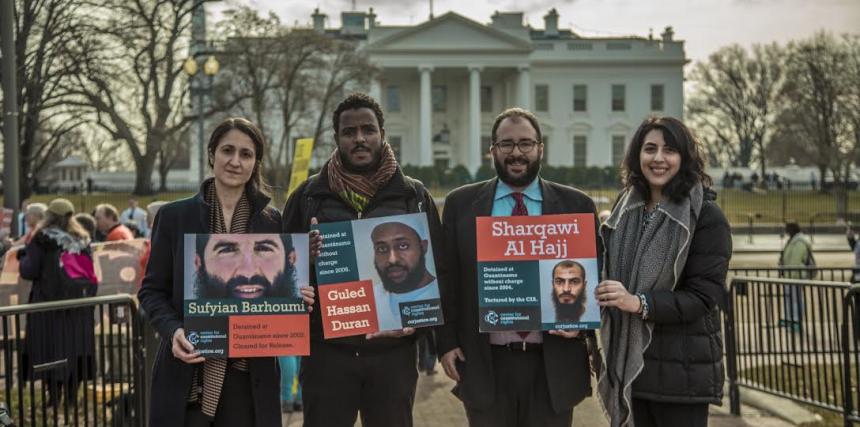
(668, 247)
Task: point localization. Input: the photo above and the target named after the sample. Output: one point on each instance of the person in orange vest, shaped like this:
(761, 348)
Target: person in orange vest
(107, 222)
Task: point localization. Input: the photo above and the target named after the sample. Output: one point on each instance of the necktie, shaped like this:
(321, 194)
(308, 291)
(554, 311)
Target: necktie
(520, 210)
(519, 207)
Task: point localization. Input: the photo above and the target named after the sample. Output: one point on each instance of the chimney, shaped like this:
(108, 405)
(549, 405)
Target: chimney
(507, 20)
(550, 21)
(667, 34)
(353, 23)
(319, 21)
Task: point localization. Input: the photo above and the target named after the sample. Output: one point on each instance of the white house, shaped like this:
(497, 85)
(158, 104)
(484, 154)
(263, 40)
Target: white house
(444, 80)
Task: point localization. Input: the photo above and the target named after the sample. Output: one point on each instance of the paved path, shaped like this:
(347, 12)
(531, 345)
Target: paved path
(435, 406)
(775, 242)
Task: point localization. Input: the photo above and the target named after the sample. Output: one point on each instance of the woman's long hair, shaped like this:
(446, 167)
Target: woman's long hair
(256, 183)
(64, 222)
(677, 136)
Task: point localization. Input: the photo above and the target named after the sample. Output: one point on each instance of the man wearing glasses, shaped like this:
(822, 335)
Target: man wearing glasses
(532, 377)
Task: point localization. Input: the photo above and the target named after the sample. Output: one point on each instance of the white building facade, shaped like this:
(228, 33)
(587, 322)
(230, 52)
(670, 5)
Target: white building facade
(443, 82)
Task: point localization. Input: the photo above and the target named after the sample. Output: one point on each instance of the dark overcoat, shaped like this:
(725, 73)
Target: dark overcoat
(566, 360)
(57, 334)
(161, 297)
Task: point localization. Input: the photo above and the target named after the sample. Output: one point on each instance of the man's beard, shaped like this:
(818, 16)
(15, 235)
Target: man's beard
(531, 171)
(569, 312)
(213, 287)
(409, 283)
(345, 160)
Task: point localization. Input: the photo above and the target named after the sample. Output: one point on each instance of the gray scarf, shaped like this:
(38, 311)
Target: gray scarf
(643, 260)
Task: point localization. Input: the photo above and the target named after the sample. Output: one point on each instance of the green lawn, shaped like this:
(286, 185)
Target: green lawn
(807, 207)
(800, 380)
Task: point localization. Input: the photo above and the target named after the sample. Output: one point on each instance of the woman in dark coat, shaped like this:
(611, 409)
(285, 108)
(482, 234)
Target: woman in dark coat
(59, 334)
(186, 390)
(668, 247)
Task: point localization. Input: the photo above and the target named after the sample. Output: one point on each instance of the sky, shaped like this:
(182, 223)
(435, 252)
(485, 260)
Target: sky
(705, 25)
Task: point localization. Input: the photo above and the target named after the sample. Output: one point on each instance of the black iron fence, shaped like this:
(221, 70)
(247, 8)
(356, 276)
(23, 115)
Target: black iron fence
(851, 355)
(73, 363)
(783, 338)
(832, 274)
(764, 212)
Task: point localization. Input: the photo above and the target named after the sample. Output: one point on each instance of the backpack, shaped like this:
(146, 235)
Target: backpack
(68, 274)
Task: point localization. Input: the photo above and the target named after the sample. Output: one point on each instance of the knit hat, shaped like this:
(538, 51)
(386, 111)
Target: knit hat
(61, 207)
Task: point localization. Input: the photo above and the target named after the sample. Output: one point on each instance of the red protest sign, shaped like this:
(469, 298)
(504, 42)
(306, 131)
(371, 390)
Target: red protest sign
(523, 238)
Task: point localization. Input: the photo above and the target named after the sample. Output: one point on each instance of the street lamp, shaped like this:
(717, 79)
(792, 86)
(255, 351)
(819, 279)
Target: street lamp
(200, 88)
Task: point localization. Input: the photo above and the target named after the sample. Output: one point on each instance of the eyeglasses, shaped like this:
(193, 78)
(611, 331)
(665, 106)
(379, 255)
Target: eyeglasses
(506, 146)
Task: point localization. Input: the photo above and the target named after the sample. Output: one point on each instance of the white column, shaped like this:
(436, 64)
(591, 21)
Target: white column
(194, 162)
(474, 140)
(375, 90)
(425, 142)
(524, 87)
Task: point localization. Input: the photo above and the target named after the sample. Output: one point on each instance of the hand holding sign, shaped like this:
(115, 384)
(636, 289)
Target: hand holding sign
(535, 273)
(377, 275)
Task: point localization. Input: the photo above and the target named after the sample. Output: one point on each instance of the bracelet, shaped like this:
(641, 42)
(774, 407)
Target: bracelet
(643, 305)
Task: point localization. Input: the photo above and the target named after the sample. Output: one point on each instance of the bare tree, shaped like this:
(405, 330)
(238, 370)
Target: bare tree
(99, 151)
(344, 67)
(43, 31)
(735, 100)
(818, 101)
(288, 78)
(303, 59)
(852, 91)
(177, 148)
(270, 64)
(131, 78)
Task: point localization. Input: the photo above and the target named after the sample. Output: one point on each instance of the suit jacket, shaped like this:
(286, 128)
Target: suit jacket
(161, 297)
(565, 359)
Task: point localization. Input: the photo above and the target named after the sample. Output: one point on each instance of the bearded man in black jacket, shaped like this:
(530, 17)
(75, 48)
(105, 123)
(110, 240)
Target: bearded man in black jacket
(374, 375)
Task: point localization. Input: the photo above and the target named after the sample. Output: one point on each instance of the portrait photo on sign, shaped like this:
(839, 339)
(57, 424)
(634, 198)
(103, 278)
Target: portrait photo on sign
(403, 268)
(567, 293)
(245, 266)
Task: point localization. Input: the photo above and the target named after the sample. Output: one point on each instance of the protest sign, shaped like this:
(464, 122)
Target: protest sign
(537, 272)
(242, 294)
(377, 274)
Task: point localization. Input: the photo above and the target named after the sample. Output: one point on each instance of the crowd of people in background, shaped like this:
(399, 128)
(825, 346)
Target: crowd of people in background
(663, 254)
(771, 180)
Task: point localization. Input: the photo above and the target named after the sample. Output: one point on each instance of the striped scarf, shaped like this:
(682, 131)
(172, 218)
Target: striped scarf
(214, 370)
(644, 256)
(356, 189)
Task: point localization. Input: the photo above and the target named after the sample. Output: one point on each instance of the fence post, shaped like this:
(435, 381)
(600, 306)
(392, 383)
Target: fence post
(150, 344)
(750, 229)
(848, 339)
(731, 353)
(784, 205)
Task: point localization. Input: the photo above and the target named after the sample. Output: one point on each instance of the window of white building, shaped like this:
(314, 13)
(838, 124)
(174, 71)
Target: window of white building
(580, 98)
(580, 146)
(618, 146)
(392, 99)
(542, 98)
(395, 143)
(440, 99)
(618, 97)
(486, 99)
(657, 97)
